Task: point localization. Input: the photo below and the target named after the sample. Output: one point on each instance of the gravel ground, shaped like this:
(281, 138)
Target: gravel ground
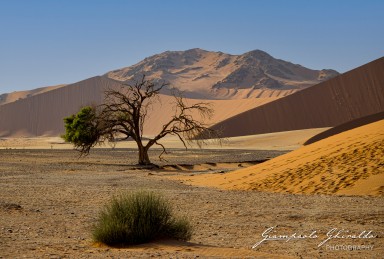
(50, 199)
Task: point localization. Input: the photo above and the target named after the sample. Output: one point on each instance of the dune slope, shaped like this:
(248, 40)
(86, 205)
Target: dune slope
(352, 95)
(14, 96)
(346, 126)
(351, 163)
(42, 114)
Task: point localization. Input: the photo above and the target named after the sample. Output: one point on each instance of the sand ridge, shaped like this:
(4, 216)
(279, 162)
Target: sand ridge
(351, 163)
(346, 126)
(14, 96)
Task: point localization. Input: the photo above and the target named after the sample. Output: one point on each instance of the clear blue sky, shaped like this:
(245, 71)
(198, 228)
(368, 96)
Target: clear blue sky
(52, 42)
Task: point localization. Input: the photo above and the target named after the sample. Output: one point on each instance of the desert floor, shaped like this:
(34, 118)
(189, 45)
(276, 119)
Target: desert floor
(50, 199)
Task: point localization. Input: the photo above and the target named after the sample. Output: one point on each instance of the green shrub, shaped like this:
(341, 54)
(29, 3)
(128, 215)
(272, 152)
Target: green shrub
(138, 218)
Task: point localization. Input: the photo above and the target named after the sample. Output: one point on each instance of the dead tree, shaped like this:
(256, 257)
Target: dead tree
(125, 111)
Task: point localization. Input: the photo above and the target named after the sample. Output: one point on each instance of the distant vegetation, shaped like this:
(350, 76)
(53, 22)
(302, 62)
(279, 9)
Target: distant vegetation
(138, 218)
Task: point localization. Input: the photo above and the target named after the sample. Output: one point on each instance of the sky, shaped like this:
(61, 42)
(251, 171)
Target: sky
(51, 42)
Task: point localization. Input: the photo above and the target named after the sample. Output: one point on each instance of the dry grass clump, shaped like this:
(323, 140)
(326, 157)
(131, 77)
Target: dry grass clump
(140, 217)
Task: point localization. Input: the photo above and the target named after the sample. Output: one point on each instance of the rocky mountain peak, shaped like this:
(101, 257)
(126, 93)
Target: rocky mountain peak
(207, 74)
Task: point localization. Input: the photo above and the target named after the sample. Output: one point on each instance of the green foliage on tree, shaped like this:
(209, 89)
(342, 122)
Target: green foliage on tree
(82, 129)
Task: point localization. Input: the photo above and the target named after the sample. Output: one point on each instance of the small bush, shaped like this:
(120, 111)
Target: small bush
(138, 218)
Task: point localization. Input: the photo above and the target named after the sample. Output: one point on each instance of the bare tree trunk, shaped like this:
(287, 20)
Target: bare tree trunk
(143, 156)
(124, 113)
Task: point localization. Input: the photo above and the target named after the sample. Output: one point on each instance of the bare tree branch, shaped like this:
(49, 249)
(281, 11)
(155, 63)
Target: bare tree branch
(162, 152)
(124, 112)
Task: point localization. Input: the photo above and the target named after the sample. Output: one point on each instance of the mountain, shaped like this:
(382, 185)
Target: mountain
(352, 95)
(216, 75)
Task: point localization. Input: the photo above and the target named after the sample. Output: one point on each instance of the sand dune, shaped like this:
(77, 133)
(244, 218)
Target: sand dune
(352, 95)
(350, 163)
(42, 114)
(14, 96)
(346, 126)
(223, 109)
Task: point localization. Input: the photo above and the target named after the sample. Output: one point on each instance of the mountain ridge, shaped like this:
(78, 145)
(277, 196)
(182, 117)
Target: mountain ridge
(217, 75)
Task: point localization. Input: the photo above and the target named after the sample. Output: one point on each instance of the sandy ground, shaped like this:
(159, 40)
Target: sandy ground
(50, 199)
(288, 140)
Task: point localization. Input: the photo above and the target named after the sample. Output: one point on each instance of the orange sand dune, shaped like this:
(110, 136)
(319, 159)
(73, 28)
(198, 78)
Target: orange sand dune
(14, 96)
(352, 95)
(42, 114)
(346, 126)
(350, 163)
(223, 109)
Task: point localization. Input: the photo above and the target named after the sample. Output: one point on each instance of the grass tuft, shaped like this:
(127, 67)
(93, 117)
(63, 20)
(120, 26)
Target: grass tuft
(140, 217)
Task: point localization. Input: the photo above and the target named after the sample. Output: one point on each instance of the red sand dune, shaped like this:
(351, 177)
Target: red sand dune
(354, 94)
